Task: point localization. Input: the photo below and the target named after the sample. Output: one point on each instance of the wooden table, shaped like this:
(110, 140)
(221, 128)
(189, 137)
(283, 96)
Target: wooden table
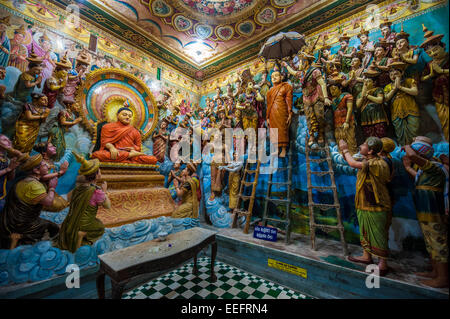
(152, 256)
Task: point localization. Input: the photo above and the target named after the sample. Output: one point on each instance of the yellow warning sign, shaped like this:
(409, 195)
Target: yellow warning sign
(287, 268)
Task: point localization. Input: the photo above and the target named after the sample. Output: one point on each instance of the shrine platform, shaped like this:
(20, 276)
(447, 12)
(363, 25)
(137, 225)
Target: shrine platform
(136, 192)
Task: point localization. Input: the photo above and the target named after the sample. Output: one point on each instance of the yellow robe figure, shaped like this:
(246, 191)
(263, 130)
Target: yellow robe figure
(404, 113)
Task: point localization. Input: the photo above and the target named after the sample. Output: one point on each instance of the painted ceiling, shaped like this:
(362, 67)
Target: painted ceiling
(203, 37)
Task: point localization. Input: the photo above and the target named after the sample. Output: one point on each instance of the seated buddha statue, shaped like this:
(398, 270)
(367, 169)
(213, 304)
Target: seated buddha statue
(120, 142)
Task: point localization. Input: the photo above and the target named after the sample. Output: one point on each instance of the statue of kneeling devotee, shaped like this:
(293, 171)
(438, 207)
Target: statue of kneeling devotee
(121, 141)
(20, 222)
(187, 192)
(81, 227)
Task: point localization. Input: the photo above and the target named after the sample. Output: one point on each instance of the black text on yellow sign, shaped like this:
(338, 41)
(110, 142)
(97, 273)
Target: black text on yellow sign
(287, 268)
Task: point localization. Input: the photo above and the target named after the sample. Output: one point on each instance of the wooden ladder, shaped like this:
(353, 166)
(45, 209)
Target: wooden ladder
(276, 201)
(311, 204)
(237, 212)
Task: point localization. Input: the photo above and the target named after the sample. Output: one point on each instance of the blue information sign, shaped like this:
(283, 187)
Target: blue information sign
(265, 233)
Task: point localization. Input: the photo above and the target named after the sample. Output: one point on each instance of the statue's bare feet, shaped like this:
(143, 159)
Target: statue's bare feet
(283, 152)
(134, 153)
(361, 259)
(81, 235)
(14, 240)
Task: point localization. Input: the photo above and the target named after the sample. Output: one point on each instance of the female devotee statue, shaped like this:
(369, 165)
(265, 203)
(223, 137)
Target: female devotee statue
(5, 44)
(344, 123)
(252, 110)
(28, 80)
(20, 222)
(187, 192)
(279, 110)
(372, 202)
(65, 120)
(160, 139)
(75, 77)
(401, 93)
(366, 48)
(19, 53)
(29, 122)
(438, 71)
(374, 120)
(81, 226)
(234, 180)
(403, 52)
(55, 84)
(121, 142)
(345, 53)
(380, 63)
(354, 82)
(431, 206)
(388, 36)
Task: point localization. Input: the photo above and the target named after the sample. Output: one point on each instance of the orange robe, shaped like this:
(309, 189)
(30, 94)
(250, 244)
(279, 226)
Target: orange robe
(279, 106)
(121, 136)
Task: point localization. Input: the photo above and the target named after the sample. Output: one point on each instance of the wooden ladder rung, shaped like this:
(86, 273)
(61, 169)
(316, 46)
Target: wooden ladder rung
(320, 173)
(279, 183)
(324, 206)
(318, 160)
(280, 201)
(323, 188)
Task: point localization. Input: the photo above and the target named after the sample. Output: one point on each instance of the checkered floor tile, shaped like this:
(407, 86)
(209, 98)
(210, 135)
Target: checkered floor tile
(232, 283)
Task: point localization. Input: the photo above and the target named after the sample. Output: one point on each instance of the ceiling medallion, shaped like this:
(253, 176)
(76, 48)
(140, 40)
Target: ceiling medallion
(266, 16)
(218, 11)
(282, 3)
(203, 31)
(245, 28)
(224, 32)
(181, 23)
(160, 8)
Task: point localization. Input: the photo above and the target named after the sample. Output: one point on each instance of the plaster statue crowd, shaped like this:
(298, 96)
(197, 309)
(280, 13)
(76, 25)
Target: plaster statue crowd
(365, 95)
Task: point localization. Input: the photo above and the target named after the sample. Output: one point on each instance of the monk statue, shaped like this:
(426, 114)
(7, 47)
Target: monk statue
(279, 109)
(121, 142)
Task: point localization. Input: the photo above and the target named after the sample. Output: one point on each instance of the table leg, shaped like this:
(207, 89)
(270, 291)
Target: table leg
(195, 269)
(213, 259)
(100, 282)
(117, 289)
